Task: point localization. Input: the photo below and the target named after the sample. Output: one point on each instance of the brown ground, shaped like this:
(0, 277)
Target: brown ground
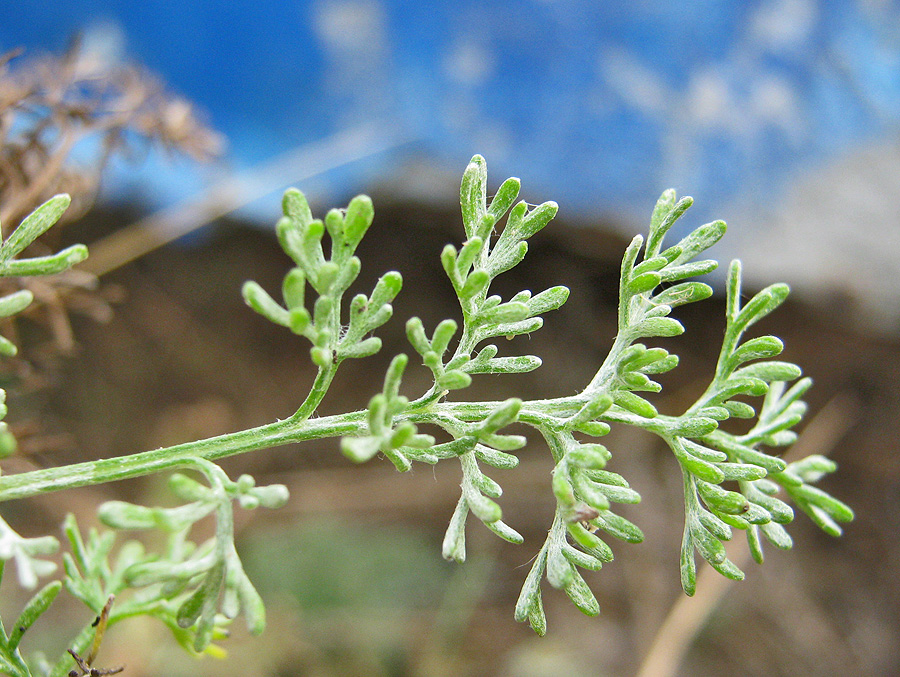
(184, 358)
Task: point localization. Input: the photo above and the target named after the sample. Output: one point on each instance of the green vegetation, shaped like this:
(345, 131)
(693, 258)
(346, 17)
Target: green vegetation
(196, 589)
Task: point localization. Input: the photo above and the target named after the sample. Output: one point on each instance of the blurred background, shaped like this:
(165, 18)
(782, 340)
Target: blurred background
(780, 116)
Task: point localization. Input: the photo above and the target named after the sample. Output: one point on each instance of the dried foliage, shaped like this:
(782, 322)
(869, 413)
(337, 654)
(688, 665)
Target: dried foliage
(50, 105)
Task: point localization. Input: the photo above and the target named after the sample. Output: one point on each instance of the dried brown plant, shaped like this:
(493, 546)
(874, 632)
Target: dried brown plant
(51, 104)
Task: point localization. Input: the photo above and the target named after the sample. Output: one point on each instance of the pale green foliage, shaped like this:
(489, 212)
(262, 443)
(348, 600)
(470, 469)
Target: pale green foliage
(197, 589)
(28, 552)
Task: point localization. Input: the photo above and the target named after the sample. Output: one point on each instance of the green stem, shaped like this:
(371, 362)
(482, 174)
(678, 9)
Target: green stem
(605, 375)
(105, 470)
(316, 394)
(538, 414)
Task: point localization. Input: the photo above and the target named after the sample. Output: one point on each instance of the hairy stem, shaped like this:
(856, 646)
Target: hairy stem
(536, 413)
(267, 436)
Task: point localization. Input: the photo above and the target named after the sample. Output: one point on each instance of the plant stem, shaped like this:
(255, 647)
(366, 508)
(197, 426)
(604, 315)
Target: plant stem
(316, 394)
(270, 435)
(298, 428)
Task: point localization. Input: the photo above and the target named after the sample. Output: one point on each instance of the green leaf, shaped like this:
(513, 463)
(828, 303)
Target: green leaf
(325, 278)
(742, 471)
(7, 348)
(739, 409)
(505, 532)
(562, 487)
(661, 210)
(449, 262)
(415, 333)
(504, 198)
(334, 224)
(33, 226)
(15, 302)
(709, 547)
(740, 386)
(293, 288)
(47, 265)
(454, 380)
(618, 526)
(347, 274)
(531, 589)
(536, 219)
(779, 511)
(771, 370)
(701, 452)
(593, 428)
(466, 258)
(717, 413)
(683, 293)
(668, 363)
(505, 365)
(505, 414)
(591, 543)
(699, 240)
(643, 282)
(695, 426)
(763, 303)
(252, 605)
(454, 544)
(761, 347)
(665, 214)
(813, 468)
(581, 595)
(588, 492)
(513, 328)
(474, 285)
(729, 570)
(295, 207)
(122, 515)
(386, 290)
(483, 508)
(649, 265)
(593, 456)
(581, 559)
(394, 374)
(36, 606)
(258, 298)
(659, 326)
(364, 348)
(473, 194)
(559, 572)
(688, 564)
(817, 498)
(746, 454)
(495, 458)
(299, 321)
(360, 214)
(595, 407)
(697, 467)
(635, 404)
(312, 255)
(506, 258)
(506, 312)
(684, 270)
(777, 535)
(360, 449)
(714, 525)
(547, 300)
(717, 498)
